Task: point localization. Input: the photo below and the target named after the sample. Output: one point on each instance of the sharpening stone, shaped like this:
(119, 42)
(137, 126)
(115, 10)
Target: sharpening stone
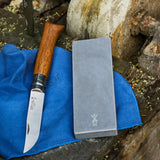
(94, 112)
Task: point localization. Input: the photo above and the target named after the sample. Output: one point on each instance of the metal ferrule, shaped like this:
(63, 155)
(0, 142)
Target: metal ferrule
(39, 82)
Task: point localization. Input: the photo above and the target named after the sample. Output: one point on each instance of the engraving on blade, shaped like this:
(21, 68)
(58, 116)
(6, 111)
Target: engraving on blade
(27, 128)
(33, 119)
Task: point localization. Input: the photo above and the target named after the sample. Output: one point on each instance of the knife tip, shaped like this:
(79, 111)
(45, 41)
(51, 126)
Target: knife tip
(26, 149)
(29, 143)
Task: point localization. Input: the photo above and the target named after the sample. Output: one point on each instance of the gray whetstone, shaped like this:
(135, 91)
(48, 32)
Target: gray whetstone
(93, 89)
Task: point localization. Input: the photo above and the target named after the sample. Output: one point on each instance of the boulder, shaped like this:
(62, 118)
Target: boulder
(96, 18)
(142, 144)
(150, 58)
(45, 5)
(15, 3)
(113, 18)
(4, 3)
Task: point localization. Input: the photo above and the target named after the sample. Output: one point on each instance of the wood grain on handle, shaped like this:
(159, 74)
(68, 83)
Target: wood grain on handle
(45, 53)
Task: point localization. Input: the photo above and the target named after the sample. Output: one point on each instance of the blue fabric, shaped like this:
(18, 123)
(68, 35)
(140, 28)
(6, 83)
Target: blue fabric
(16, 69)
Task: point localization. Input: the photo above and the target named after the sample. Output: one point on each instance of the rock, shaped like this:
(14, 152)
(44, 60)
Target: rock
(45, 5)
(150, 58)
(144, 25)
(76, 151)
(121, 66)
(29, 19)
(15, 3)
(90, 19)
(13, 30)
(143, 144)
(57, 13)
(4, 2)
(95, 19)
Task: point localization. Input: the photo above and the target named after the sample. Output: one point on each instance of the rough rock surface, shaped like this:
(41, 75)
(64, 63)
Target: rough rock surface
(95, 18)
(143, 144)
(15, 3)
(45, 5)
(13, 30)
(76, 151)
(4, 2)
(90, 20)
(150, 58)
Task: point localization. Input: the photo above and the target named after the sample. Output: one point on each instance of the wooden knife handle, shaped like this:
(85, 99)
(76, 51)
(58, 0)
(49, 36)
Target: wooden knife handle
(50, 35)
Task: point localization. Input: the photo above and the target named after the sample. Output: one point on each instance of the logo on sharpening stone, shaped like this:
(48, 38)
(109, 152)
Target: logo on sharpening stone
(94, 120)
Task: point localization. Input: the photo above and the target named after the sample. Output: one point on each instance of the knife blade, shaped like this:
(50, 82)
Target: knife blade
(43, 62)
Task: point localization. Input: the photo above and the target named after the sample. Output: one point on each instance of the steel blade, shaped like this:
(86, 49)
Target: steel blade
(33, 119)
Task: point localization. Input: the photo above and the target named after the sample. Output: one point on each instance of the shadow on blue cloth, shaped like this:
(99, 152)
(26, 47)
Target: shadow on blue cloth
(16, 69)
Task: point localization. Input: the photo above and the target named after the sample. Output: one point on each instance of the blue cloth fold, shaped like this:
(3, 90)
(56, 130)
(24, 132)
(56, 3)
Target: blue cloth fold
(16, 70)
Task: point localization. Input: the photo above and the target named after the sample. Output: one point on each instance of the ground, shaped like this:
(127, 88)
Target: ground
(145, 87)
